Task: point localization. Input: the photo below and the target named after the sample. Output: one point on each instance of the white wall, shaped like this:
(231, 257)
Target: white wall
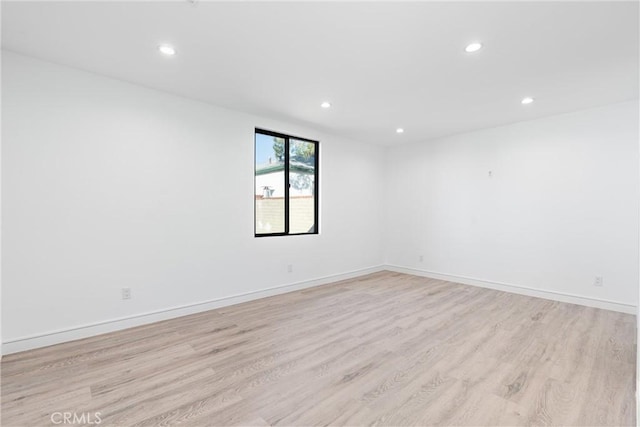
(560, 208)
(1, 352)
(108, 185)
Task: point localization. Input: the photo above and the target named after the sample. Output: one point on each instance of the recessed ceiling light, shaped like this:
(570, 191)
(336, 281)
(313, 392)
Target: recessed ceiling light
(399, 130)
(325, 104)
(527, 100)
(473, 47)
(167, 49)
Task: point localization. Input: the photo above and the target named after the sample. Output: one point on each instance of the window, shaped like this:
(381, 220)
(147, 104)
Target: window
(286, 185)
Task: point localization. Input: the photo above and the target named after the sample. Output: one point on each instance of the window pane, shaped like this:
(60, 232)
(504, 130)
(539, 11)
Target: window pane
(302, 160)
(269, 184)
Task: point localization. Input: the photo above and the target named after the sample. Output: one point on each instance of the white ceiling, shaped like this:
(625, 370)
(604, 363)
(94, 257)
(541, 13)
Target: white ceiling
(381, 65)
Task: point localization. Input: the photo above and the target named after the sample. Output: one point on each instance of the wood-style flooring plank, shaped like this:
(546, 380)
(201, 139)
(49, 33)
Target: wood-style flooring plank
(385, 349)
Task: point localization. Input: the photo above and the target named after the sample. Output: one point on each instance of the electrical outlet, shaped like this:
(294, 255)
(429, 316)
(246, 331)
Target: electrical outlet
(598, 281)
(126, 293)
(290, 268)
(421, 258)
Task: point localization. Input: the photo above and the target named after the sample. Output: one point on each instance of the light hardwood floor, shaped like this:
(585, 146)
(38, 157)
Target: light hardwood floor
(383, 349)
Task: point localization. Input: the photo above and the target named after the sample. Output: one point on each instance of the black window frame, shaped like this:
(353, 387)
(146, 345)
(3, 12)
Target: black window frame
(287, 185)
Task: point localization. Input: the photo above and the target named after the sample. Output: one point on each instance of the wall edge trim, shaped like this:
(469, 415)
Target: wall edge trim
(518, 289)
(59, 336)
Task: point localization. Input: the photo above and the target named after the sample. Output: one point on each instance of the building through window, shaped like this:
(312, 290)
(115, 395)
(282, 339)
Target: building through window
(286, 185)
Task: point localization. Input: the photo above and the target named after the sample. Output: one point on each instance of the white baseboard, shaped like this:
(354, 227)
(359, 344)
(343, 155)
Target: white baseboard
(517, 289)
(88, 330)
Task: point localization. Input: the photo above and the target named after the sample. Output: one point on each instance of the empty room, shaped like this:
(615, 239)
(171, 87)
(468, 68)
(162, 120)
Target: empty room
(258, 213)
